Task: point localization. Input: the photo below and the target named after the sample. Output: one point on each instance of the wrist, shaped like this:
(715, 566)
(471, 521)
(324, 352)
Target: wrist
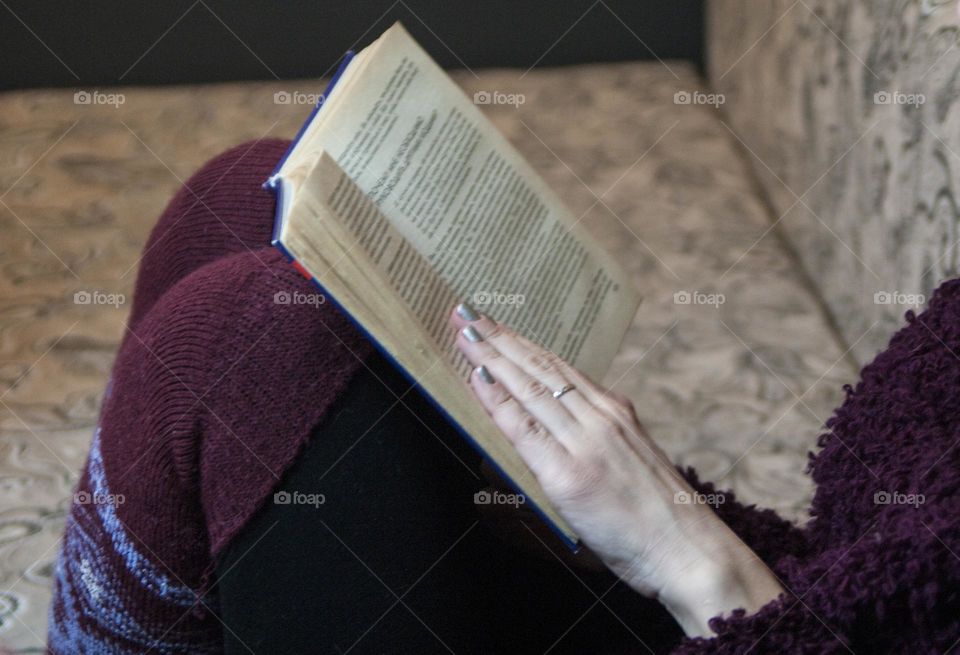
(719, 581)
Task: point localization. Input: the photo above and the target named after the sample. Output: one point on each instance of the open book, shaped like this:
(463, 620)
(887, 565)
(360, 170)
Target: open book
(399, 199)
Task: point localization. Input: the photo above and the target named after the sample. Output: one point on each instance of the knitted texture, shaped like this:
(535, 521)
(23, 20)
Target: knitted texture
(216, 387)
(219, 382)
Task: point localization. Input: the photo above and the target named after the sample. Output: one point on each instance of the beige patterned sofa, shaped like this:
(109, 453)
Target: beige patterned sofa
(733, 358)
(847, 111)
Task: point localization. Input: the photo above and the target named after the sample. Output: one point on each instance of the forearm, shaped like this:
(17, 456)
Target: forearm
(770, 536)
(723, 575)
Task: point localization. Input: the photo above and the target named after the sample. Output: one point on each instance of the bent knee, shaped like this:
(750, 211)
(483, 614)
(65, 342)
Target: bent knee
(258, 157)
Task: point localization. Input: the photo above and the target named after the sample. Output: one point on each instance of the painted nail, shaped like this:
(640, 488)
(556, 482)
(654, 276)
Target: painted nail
(471, 334)
(467, 313)
(484, 374)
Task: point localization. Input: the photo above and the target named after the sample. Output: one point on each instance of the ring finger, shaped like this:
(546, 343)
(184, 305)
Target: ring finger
(533, 394)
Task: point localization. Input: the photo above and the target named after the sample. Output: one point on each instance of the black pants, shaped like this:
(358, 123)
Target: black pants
(381, 549)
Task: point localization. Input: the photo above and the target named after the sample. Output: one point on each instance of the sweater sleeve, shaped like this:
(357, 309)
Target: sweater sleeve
(879, 570)
(893, 588)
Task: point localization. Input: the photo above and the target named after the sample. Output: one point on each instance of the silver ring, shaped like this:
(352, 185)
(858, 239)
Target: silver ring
(564, 389)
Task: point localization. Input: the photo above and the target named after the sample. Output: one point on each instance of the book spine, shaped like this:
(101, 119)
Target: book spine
(274, 183)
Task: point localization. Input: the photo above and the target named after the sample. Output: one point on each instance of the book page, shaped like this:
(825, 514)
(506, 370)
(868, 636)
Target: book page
(466, 202)
(427, 294)
(338, 250)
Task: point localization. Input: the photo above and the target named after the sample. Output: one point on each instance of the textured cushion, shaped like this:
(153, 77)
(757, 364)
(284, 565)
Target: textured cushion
(849, 112)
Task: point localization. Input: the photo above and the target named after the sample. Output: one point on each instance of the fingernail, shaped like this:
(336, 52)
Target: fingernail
(485, 374)
(467, 313)
(471, 334)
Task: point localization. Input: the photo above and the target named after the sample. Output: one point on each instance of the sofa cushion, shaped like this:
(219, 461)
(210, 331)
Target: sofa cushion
(848, 114)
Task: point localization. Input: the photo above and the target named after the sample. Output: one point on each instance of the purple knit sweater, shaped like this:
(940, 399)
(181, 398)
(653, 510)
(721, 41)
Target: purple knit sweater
(217, 387)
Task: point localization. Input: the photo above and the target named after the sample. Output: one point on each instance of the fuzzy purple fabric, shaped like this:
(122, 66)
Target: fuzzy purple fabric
(877, 570)
(217, 387)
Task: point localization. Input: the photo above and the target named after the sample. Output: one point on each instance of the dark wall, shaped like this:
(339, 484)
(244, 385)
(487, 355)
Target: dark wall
(82, 44)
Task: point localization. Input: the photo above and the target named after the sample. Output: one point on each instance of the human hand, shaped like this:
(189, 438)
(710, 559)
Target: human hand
(609, 480)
